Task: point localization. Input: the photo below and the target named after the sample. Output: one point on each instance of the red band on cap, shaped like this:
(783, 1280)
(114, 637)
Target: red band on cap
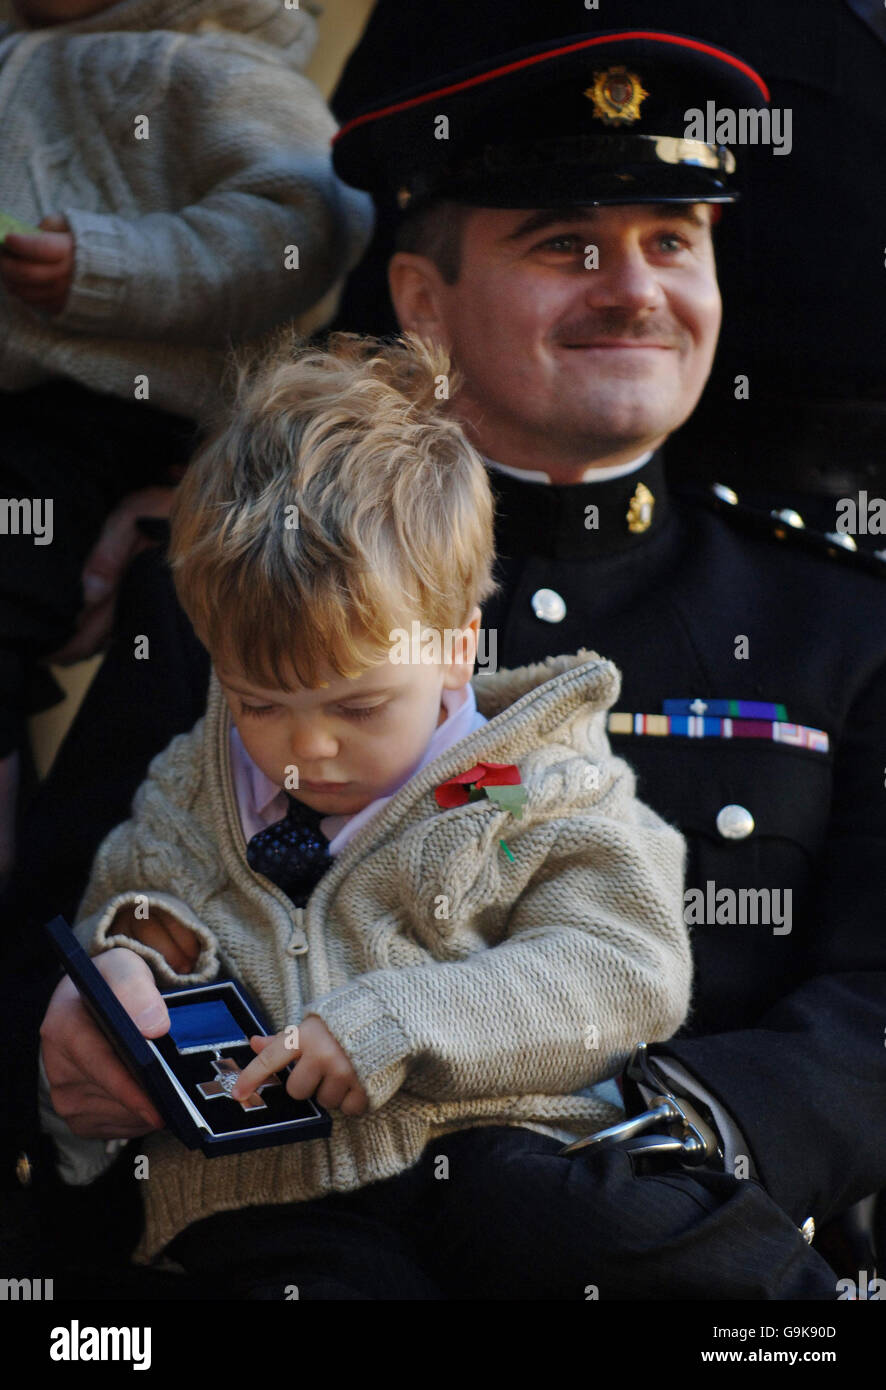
(695, 44)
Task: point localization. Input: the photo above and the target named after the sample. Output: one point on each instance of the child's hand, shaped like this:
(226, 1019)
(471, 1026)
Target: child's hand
(177, 944)
(321, 1062)
(39, 269)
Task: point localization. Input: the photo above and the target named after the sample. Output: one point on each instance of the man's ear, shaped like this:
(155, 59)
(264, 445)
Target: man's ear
(415, 285)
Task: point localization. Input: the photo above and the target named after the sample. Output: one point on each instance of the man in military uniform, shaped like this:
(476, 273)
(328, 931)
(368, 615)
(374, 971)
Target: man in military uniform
(559, 240)
(798, 410)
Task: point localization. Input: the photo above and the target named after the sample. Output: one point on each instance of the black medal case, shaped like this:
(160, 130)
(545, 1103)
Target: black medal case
(189, 1072)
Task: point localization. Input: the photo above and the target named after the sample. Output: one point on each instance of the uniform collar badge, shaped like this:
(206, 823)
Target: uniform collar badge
(640, 509)
(617, 96)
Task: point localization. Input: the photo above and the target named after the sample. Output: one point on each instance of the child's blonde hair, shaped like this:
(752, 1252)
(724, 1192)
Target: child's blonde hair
(335, 503)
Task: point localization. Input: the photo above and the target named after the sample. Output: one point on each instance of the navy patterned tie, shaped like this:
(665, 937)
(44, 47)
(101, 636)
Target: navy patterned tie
(293, 852)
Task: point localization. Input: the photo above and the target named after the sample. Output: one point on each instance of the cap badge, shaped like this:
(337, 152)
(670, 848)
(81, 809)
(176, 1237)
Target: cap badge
(640, 509)
(617, 96)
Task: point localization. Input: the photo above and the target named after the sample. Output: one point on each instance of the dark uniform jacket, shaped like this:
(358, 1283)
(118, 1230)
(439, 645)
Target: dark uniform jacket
(787, 1027)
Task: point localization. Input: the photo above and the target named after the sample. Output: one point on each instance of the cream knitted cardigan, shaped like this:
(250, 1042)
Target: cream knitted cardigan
(466, 989)
(180, 236)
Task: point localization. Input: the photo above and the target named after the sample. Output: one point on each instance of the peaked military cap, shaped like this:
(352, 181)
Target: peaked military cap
(588, 119)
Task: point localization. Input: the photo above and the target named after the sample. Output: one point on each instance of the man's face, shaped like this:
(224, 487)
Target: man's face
(576, 363)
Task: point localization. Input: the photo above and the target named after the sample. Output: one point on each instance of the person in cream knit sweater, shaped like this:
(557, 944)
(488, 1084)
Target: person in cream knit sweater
(457, 969)
(186, 152)
(166, 190)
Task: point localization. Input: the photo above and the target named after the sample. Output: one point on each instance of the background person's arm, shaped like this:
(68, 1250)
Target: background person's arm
(257, 180)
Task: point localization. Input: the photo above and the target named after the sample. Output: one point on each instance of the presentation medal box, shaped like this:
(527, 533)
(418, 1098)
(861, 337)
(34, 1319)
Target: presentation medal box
(190, 1071)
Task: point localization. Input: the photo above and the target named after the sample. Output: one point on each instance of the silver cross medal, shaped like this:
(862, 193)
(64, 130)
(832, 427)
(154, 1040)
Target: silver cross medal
(226, 1075)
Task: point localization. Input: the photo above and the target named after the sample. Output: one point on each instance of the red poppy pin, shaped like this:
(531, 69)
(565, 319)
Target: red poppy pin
(498, 782)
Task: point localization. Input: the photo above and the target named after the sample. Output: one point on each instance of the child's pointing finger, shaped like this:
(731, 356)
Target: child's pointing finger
(273, 1055)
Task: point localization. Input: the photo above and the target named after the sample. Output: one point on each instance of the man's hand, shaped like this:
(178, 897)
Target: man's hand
(38, 269)
(118, 544)
(321, 1062)
(90, 1088)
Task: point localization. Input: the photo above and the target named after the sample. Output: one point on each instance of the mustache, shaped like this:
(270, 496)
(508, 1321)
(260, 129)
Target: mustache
(615, 325)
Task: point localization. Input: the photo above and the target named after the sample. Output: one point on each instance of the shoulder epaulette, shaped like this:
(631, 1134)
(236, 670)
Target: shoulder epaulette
(785, 526)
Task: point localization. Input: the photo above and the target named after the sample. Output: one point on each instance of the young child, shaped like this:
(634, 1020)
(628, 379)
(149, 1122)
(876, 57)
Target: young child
(450, 969)
(172, 161)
